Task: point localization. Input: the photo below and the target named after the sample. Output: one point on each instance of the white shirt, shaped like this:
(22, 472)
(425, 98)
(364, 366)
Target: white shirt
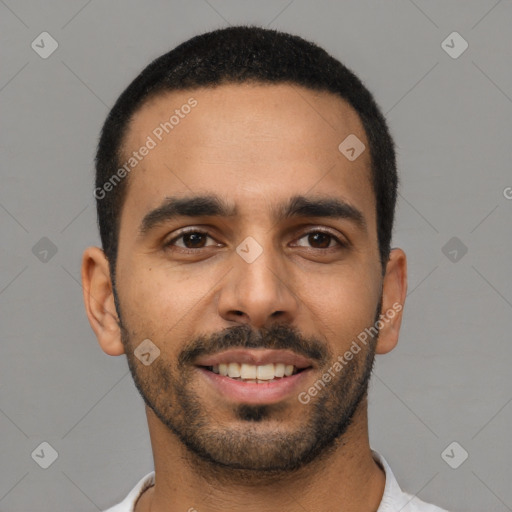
(393, 499)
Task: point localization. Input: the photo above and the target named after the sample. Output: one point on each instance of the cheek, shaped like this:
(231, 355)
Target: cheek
(158, 298)
(343, 304)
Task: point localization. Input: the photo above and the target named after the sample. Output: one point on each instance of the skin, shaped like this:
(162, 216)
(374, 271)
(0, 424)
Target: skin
(256, 146)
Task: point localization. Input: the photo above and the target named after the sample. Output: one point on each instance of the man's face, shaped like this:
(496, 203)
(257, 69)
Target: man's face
(315, 285)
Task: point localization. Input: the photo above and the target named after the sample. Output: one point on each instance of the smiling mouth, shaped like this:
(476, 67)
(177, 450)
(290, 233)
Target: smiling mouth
(255, 373)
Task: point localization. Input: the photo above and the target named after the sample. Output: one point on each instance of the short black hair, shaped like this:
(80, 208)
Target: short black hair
(235, 55)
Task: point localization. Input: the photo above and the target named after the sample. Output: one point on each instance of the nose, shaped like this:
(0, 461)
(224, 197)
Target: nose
(258, 293)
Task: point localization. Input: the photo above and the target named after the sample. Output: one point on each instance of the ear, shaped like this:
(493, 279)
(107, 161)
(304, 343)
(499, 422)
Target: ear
(394, 290)
(99, 301)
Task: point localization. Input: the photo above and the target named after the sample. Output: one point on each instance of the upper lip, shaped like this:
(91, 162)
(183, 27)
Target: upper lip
(256, 357)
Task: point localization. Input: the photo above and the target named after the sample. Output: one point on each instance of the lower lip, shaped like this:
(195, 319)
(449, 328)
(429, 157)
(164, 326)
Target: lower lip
(254, 393)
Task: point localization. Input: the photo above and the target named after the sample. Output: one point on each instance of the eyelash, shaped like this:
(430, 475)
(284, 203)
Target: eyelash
(169, 244)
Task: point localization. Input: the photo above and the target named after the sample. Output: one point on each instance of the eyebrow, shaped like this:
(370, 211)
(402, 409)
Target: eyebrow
(214, 206)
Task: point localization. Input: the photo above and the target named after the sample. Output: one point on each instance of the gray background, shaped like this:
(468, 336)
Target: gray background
(448, 379)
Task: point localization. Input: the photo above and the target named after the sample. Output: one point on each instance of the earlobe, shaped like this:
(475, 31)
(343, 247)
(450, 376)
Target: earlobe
(394, 291)
(99, 301)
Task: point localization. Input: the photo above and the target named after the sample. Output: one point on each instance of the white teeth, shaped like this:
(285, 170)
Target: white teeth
(279, 369)
(234, 370)
(254, 373)
(248, 371)
(265, 372)
(288, 369)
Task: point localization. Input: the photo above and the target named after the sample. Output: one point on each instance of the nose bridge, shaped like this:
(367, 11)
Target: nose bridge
(258, 288)
(258, 271)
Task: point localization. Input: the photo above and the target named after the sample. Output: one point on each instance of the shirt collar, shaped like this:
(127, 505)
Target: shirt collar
(392, 497)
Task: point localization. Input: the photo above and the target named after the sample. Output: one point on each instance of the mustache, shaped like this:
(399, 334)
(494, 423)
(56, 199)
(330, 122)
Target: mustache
(243, 336)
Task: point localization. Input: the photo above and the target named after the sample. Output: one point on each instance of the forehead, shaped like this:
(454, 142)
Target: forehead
(251, 143)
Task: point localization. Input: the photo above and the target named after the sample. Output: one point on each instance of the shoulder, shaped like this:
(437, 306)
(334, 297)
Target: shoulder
(394, 498)
(128, 504)
(414, 504)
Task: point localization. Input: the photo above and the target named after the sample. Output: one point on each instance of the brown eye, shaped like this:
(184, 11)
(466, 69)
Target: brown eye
(320, 240)
(190, 240)
(194, 240)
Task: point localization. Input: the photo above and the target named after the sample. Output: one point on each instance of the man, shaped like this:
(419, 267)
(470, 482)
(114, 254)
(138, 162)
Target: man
(246, 187)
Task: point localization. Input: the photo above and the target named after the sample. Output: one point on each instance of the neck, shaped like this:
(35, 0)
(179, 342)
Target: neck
(184, 482)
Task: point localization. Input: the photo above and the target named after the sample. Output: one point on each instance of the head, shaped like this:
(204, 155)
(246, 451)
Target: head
(239, 223)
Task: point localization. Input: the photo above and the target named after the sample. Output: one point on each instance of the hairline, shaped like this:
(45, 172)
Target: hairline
(165, 91)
